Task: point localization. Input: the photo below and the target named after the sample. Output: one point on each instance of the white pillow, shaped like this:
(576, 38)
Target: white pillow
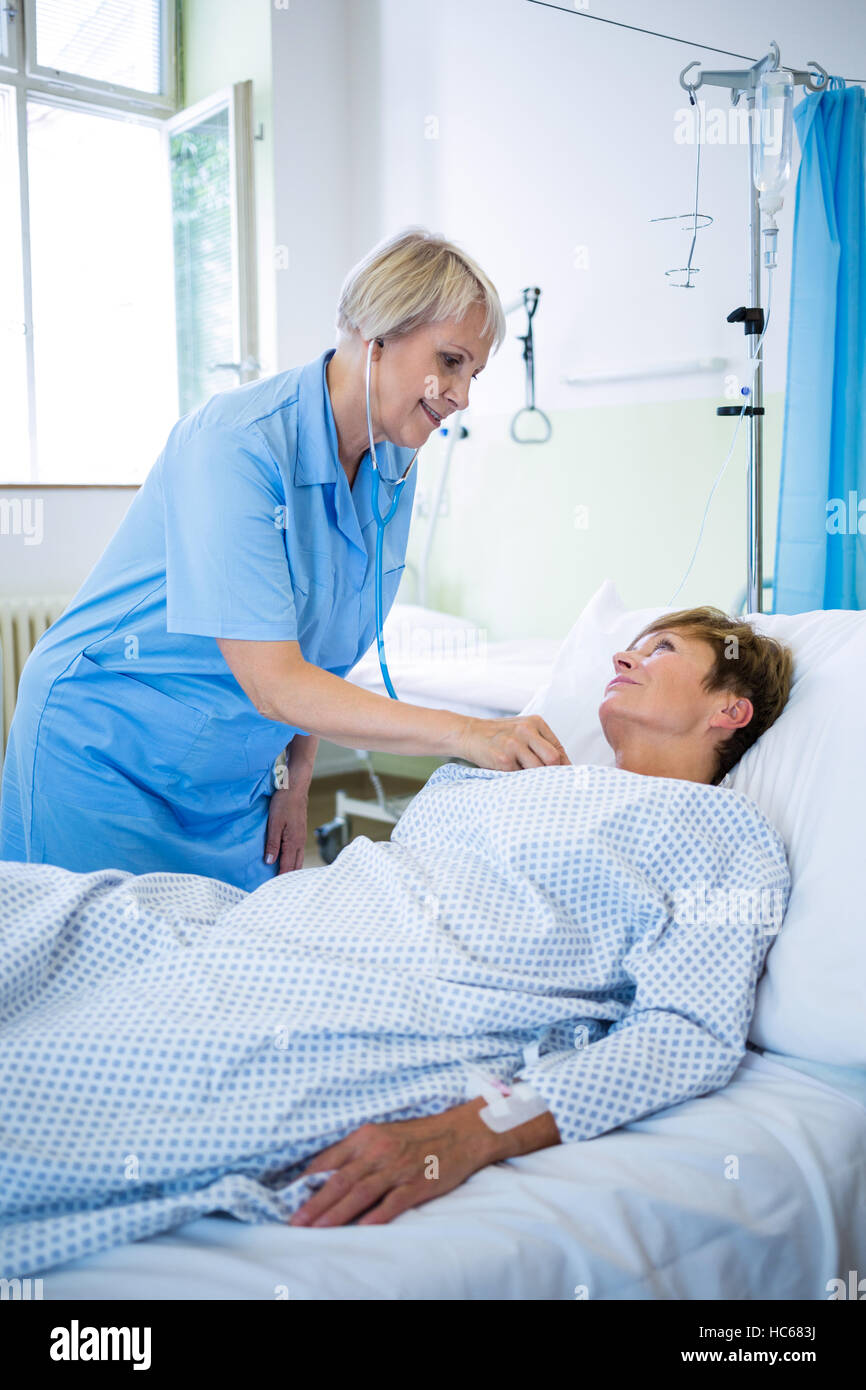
(807, 774)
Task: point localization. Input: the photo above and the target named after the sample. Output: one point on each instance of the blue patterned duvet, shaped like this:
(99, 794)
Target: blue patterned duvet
(173, 1046)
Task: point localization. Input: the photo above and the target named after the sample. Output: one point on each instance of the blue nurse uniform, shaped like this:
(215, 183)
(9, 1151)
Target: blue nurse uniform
(132, 744)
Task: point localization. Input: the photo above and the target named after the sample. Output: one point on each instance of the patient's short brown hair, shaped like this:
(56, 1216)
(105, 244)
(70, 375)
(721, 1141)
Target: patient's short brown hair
(753, 666)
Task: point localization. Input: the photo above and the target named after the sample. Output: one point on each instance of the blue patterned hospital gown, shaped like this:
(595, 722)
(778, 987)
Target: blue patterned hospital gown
(173, 1045)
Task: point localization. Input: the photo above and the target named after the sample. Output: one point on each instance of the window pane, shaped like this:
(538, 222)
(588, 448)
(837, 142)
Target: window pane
(201, 209)
(103, 326)
(106, 40)
(14, 437)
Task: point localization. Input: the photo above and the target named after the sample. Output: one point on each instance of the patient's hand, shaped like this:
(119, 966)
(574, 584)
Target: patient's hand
(384, 1169)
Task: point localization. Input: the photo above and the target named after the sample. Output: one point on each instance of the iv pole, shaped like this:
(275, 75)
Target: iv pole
(742, 84)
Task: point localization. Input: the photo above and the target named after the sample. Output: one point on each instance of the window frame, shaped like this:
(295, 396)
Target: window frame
(237, 99)
(9, 33)
(56, 80)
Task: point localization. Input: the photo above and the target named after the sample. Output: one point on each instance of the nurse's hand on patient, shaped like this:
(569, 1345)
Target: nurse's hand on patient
(506, 745)
(287, 829)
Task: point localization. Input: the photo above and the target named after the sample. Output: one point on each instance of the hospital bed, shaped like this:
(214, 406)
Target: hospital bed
(754, 1192)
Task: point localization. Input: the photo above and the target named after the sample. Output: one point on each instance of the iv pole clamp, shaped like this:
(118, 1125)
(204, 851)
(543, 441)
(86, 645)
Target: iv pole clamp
(530, 303)
(753, 324)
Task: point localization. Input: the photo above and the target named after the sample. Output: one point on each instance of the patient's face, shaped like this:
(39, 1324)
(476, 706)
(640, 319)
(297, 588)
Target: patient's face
(658, 688)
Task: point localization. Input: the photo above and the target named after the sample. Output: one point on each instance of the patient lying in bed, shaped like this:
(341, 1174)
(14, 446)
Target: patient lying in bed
(174, 1046)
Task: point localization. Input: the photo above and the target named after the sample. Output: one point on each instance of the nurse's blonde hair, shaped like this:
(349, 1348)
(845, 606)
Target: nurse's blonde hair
(413, 279)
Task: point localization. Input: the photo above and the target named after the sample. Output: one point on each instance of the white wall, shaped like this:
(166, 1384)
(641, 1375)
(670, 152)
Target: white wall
(555, 132)
(63, 533)
(314, 153)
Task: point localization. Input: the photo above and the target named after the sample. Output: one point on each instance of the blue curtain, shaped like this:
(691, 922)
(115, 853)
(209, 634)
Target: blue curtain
(820, 552)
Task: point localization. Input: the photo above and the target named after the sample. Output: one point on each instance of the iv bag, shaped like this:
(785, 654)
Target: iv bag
(771, 143)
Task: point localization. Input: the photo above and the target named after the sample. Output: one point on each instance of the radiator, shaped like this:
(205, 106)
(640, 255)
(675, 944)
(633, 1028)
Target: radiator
(22, 623)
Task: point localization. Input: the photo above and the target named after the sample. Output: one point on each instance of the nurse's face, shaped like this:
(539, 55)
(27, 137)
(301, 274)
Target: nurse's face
(420, 379)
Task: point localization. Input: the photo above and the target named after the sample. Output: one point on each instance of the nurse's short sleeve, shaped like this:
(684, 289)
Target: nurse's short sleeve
(226, 569)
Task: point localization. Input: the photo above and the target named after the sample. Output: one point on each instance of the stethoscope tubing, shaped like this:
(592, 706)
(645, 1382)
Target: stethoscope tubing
(381, 523)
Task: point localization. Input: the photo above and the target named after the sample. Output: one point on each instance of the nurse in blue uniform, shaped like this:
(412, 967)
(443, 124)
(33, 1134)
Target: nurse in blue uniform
(216, 628)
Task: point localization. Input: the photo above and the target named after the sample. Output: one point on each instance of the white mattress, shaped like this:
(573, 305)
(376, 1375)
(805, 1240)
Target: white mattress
(649, 1211)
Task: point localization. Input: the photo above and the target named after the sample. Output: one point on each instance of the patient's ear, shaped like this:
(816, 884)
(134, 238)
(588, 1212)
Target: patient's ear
(735, 715)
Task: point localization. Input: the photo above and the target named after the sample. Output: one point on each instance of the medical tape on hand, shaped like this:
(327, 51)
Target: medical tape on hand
(506, 1109)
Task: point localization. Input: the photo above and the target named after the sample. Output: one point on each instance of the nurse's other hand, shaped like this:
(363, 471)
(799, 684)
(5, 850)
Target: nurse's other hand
(506, 745)
(287, 829)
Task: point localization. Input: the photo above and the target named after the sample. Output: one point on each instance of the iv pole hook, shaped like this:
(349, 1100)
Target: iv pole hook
(696, 82)
(530, 304)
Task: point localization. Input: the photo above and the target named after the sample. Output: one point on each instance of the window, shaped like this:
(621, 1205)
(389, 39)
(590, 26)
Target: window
(127, 290)
(214, 233)
(106, 41)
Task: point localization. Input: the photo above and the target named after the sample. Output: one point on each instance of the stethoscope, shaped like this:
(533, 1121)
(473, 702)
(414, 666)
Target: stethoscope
(381, 523)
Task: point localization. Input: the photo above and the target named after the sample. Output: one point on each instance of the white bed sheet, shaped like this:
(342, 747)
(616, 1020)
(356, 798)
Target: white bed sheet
(645, 1212)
